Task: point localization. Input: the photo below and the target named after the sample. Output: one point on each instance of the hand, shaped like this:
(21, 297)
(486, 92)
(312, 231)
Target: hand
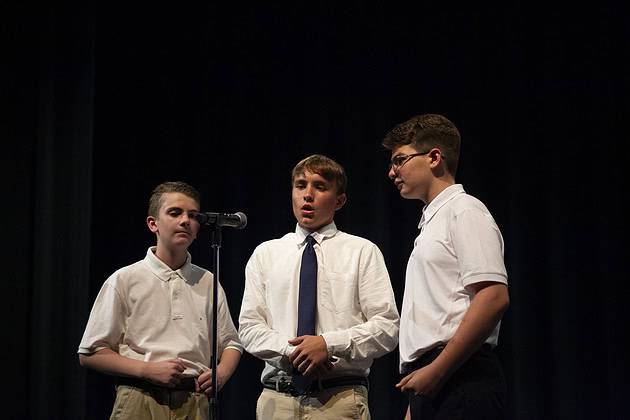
(204, 381)
(165, 373)
(426, 381)
(310, 356)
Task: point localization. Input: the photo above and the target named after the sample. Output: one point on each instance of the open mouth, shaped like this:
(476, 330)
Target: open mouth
(308, 210)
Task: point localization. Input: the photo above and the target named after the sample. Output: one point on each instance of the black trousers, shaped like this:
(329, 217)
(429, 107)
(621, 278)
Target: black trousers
(477, 390)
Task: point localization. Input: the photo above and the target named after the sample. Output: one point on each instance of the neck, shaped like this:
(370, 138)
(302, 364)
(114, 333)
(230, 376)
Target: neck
(173, 258)
(439, 185)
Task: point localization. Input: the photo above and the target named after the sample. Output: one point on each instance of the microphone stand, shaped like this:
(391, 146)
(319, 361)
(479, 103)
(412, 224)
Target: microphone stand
(213, 399)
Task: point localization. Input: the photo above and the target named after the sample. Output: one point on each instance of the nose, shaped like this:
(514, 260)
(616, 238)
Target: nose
(185, 219)
(392, 172)
(308, 194)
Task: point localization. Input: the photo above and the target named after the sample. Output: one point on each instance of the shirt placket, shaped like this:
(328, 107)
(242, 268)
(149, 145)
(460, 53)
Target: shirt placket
(177, 309)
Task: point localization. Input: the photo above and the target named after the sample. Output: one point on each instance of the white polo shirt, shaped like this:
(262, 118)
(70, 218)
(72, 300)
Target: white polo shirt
(459, 244)
(147, 311)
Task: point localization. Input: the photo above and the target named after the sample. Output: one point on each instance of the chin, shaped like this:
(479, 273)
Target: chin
(310, 225)
(307, 225)
(408, 195)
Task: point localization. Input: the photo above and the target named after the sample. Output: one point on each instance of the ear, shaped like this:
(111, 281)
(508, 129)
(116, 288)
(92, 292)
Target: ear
(436, 157)
(341, 200)
(151, 224)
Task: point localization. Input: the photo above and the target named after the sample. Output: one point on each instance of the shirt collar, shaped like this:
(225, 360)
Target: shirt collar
(327, 231)
(446, 195)
(163, 271)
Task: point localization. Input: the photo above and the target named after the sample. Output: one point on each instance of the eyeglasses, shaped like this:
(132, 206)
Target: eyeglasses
(398, 161)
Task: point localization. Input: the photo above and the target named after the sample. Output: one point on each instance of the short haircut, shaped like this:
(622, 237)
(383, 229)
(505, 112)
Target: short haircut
(424, 132)
(326, 167)
(155, 202)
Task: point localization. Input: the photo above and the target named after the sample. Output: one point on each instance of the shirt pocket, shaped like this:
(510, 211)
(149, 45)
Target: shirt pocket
(339, 292)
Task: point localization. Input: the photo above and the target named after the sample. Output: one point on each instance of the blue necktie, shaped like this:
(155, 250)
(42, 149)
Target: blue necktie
(307, 304)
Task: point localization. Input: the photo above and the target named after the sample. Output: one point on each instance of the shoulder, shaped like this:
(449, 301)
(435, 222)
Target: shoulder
(198, 271)
(274, 247)
(349, 241)
(465, 202)
(347, 237)
(124, 274)
(277, 243)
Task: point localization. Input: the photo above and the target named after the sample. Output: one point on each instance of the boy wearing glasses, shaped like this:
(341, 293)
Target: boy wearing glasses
(456, 282)
(151, 323)
(318, 306)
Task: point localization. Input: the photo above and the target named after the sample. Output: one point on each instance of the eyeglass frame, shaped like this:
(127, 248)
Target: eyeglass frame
(403, 158)
(407, 158)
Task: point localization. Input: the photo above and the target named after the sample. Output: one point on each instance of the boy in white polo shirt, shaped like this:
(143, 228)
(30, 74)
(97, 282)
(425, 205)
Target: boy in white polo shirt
(151, 324)
(456, 282)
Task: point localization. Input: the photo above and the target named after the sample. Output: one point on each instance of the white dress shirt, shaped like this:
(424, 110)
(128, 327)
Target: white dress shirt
(356, 310)
(459, 244)
(147, 311)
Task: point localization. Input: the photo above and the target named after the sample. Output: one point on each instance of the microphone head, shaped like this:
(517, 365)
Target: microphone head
(243, 218)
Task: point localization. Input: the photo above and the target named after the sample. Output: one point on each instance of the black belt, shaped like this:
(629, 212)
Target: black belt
(431, 355)
(186, 384)
(283, 384)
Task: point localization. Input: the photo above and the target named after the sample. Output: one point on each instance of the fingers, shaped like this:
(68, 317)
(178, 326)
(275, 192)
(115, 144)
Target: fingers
(315, 369)
(403, 381)
(176, 364)
(298, 358)
(179, 364)
(297, 340)
(294, 355)
(303, 365)
(205, 376)
(206, 388)
(312, 370)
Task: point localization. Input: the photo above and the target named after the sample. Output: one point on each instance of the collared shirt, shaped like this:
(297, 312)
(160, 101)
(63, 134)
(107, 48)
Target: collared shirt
(356, 310)
(147, 311)
(459, 244)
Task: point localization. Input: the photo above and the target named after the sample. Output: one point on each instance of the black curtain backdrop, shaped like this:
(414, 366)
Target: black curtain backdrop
(102, 105)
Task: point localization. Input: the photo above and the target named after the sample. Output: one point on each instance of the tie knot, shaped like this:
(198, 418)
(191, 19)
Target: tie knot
(310, 241)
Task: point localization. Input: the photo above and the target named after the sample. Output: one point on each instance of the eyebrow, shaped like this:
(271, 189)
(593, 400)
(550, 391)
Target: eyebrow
(181, 209)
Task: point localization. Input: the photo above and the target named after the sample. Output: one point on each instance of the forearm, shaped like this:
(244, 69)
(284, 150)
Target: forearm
(371, 339)
(228, 363)
(109, 362)
(484, 313)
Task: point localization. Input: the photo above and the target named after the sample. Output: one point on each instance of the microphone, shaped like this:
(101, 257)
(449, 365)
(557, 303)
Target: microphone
(236, 220)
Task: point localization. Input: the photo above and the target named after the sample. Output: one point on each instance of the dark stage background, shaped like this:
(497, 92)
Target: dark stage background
(104, 103)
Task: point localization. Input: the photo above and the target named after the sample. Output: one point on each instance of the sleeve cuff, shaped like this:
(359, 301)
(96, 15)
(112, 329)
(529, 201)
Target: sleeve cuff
(478, 278)
(337, 342)
(234, 347)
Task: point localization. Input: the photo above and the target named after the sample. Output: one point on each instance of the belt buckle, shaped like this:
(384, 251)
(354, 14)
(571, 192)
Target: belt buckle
(284, 385)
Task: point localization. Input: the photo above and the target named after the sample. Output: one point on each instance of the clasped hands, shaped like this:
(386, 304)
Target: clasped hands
(169, 373)
(310, 356)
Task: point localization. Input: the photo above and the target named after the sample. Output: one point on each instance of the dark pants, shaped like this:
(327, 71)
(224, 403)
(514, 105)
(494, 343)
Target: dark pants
(476, 390)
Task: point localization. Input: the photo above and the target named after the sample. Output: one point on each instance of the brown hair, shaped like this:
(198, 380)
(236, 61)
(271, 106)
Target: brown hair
(326, 167)
(424, 132)
(170, 187)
